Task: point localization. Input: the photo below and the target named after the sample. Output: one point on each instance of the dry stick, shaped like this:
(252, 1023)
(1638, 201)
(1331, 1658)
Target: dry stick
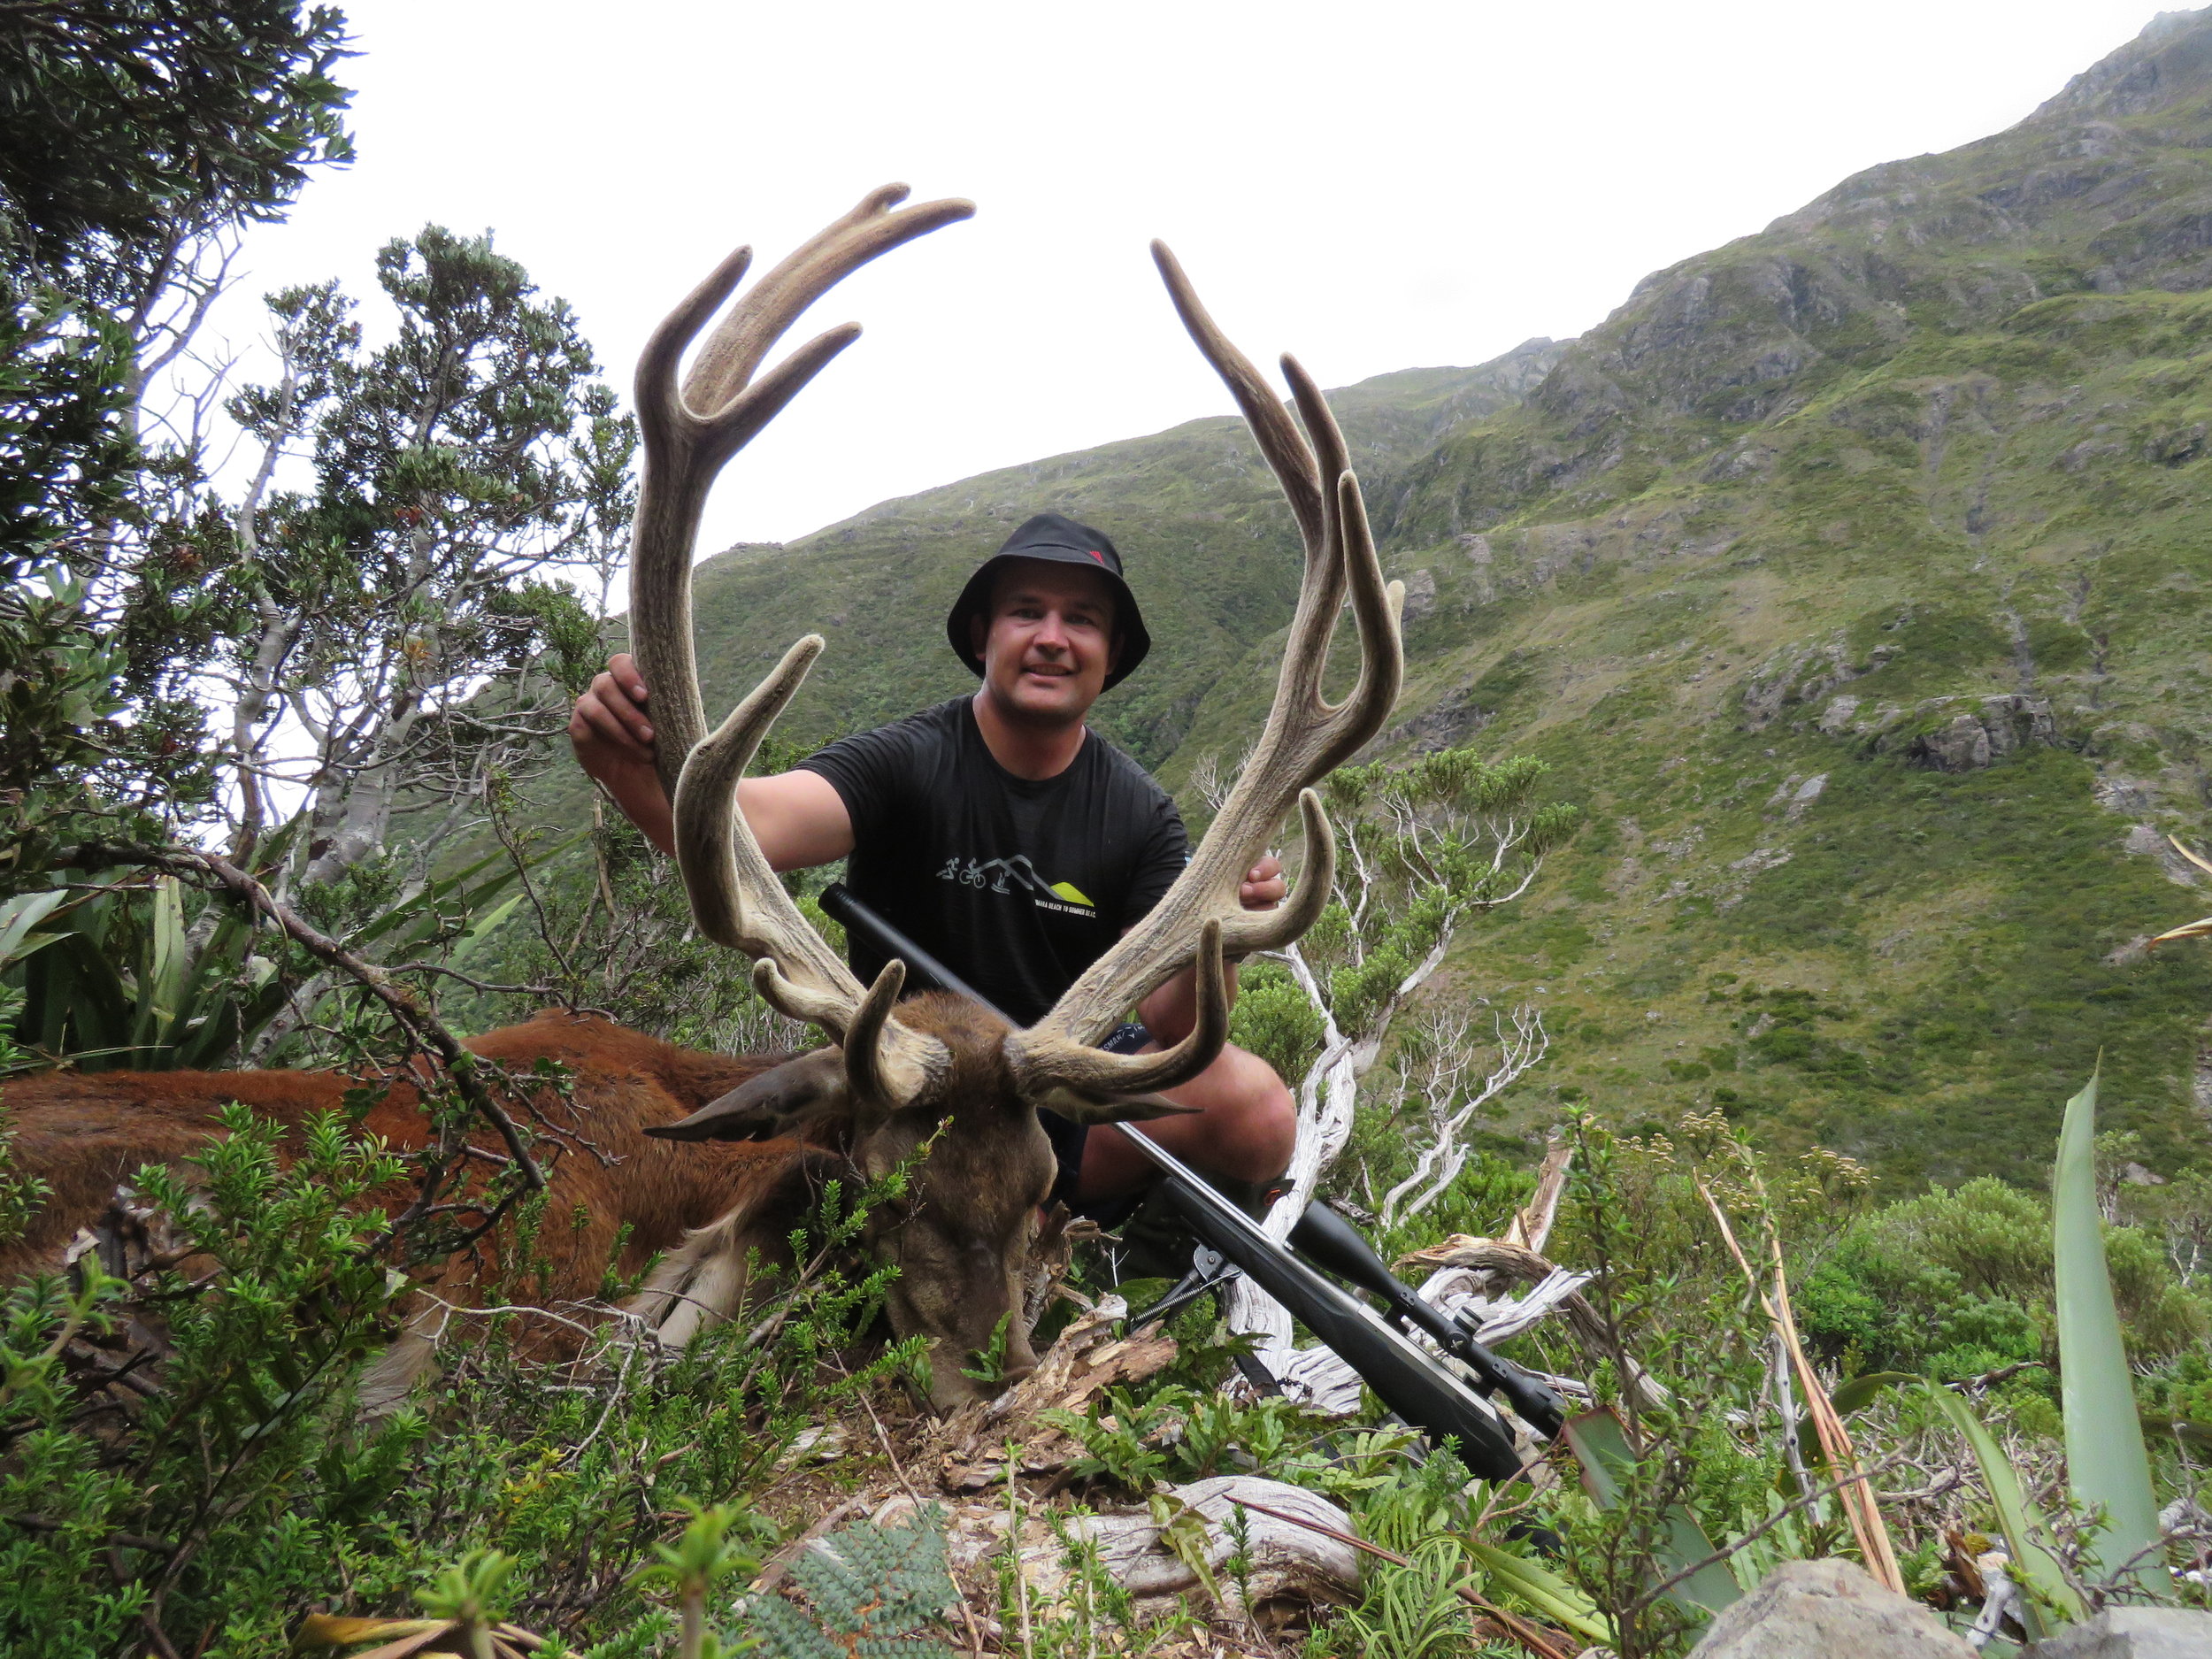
(422, 1026)
(1518, 1628)
(1860, 1506)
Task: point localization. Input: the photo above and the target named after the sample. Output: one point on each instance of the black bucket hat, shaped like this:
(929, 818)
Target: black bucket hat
(1059, 541)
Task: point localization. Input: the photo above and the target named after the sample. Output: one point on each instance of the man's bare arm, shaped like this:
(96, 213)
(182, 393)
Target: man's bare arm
(798, 818)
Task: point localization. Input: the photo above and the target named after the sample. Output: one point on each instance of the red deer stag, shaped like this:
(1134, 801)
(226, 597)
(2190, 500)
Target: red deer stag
(933, 1068)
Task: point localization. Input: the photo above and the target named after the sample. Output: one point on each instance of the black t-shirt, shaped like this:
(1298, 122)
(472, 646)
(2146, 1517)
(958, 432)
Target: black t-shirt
(1017, 884)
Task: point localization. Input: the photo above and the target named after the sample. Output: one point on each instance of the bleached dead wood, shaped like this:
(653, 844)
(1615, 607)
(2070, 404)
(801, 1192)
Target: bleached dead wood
(1495, 1262)
(970, 1449)
(1530, 1227)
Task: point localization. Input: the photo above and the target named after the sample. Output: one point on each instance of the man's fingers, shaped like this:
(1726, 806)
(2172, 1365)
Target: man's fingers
(594, 721)
(623, 666)
(608, 691)
(1260, 896)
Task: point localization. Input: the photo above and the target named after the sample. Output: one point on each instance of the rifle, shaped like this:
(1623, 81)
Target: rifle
(1406, 1378)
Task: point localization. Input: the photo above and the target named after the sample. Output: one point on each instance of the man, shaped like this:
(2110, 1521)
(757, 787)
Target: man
(1005, 837)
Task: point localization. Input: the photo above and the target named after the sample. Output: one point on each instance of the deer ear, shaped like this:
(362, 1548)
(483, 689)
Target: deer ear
(1079, 1107)
(787, 1100)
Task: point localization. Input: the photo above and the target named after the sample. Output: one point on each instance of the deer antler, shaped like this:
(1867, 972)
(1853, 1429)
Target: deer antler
(1306, 737)
(690, 433)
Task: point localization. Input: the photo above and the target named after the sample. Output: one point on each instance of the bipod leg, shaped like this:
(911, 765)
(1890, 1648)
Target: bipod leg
(1209, 1270)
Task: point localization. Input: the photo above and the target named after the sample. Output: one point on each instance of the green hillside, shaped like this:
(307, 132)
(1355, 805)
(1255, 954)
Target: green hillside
(1850, 574)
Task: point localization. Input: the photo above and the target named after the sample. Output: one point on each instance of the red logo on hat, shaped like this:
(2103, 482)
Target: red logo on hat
(1096, 554)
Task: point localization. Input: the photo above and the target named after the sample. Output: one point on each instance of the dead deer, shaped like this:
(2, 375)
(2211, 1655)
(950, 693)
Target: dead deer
(934, 1069)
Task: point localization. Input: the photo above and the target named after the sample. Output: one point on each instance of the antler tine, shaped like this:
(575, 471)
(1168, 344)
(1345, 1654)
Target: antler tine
(690, 433)
(723, 865)
(1281, 444)
(1305, 737)
(727, 362)
(880, 1072)
(737, 901)
(1100, 1075)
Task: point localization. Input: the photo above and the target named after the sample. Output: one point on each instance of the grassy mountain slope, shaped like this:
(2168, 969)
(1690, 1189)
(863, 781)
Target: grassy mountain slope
(1853, 573)
(1850, 573)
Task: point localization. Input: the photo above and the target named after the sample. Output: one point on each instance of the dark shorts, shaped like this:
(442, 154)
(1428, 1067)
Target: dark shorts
(1067, 1139)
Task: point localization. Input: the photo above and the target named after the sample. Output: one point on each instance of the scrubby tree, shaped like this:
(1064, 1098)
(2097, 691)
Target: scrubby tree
(138, 138)
(409, 624)
(1421, 849)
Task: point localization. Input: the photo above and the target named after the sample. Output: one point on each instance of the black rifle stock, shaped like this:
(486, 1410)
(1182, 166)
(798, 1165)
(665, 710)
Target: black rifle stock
(1406, 1380)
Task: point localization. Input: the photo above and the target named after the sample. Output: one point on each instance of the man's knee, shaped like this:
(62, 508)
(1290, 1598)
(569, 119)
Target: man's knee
(1255, 1119)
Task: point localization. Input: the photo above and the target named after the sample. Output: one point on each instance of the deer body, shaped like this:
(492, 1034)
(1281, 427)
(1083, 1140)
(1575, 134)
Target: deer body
(86, 1133)
(960, 1235)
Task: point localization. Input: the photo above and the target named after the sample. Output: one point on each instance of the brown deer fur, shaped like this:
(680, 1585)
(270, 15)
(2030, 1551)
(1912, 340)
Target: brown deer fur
(961, 1233)
(84, 1132)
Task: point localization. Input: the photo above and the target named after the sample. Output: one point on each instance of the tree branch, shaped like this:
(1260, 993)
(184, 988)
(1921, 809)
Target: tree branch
(424, 1028)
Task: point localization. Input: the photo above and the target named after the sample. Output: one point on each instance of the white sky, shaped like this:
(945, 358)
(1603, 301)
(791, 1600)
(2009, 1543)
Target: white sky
(1376, 188)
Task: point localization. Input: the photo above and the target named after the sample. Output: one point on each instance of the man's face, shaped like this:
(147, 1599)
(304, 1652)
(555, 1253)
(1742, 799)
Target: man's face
(1047, 642)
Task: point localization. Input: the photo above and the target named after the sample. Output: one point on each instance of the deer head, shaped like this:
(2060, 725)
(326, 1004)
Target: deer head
(898, 1073)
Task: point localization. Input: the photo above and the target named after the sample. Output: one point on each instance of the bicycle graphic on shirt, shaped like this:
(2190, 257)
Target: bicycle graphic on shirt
(1017, 873)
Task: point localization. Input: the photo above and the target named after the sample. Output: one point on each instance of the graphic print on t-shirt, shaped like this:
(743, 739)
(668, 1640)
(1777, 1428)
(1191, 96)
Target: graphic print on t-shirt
(1002, 873)
(1015, 884)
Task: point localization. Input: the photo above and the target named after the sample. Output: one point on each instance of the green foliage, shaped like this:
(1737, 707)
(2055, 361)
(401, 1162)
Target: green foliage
(1177, 1435)
(240, 1469)
(1415, 1610)
(472, 1591)
(2106, 1463)
(697, 1563)
(525, 1488)
(1957, 1284)
(877, 1590)
(1274, 1020)
(130, 122)
(116, 970)
(123, 980)
(135, 137)
(468, 475)
(990, 1362)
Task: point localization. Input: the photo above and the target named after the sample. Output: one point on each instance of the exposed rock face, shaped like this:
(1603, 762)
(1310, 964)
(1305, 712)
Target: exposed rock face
(1420, 594)
(2132, 1633)
(1975, 736)
(1807, 1608)
(1941, 734)
(1450, 721)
